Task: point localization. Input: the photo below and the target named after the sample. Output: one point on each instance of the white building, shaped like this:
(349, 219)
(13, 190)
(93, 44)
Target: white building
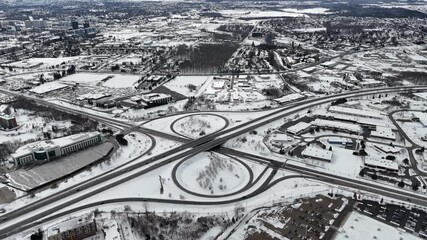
(381, 164)
(317, 153)
(345, 127)
(421, 117)
(384, 132)
(418, 59)
(52, 149)
(354, 112)
(298, 128)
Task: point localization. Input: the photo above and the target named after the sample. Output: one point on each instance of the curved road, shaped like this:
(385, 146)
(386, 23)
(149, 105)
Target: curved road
(249, 184)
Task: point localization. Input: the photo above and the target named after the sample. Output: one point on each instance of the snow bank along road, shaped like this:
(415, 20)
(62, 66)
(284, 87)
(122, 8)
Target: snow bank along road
(32, 214)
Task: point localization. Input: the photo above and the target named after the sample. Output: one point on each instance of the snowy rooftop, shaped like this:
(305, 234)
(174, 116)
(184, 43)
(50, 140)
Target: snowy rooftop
(298, 127)
(48, 87)
(3, 108)
(58, 142)
(416, 57)
(154, 96)
(383, 163)
(421, 116)
(335, 124)
(317, 153)
(422, 95)
(354, 111)
(383, 132)
(6, 116)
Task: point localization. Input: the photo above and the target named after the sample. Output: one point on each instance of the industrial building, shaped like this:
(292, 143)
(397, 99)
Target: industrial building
(317, 153)
(53, 149)
(354, 112)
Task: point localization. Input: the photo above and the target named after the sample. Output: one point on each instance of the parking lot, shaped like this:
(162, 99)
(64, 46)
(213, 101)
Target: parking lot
(412, 220)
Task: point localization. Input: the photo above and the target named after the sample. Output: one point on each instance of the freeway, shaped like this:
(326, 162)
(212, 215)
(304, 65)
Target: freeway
(33, 212)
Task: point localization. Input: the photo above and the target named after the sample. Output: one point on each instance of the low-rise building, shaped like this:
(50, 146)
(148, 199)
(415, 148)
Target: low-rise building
(156, 99)
(53, 149)
(298, 128)
(421, 117)
(354, 112)
(334, 125)
(381, 164)
(317, 153)
(383, 132)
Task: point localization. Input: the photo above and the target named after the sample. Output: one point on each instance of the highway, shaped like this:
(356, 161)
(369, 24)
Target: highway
(34, 212)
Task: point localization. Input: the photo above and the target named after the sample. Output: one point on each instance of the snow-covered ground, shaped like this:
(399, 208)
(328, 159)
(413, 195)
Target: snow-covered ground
(359, 226)
(182, 84)
(32, 127)
(142, 114)
(212, 174)
(198, 125)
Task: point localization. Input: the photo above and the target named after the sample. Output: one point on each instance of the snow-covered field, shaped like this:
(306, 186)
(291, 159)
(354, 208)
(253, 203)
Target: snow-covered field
(181, 84)
(212, 174)
(198, 125)
(32, 127)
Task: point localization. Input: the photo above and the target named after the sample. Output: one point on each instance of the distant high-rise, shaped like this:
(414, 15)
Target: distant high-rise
(86, 25)
(75, 25)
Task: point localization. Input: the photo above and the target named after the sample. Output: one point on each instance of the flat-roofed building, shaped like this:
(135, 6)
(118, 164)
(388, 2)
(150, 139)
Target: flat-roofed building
(335, 125)
(53, 149)
(383, 132)
(381, 164)
(317, 153)
(298, 128)
(355, 112)
(421, 117)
